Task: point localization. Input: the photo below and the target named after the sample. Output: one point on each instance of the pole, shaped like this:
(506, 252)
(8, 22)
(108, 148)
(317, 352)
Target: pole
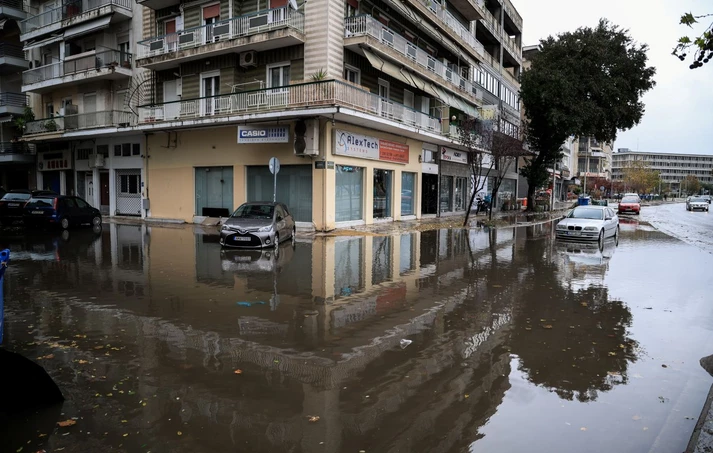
(274, 187)
(586, 165)
(554, 184)
(4, 259)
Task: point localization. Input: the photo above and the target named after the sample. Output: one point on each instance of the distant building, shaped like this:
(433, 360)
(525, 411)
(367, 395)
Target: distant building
(672, 167)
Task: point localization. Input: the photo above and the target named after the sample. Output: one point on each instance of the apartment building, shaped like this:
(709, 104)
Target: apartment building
(16, 158)
(358, 100)
(594, 158)
(672, 167)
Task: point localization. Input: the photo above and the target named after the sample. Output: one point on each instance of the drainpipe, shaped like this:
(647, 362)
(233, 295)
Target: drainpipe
(146, 175)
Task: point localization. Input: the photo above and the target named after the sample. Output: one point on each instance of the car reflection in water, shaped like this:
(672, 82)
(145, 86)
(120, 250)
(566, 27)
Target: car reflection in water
(257, 260)
(53, 245)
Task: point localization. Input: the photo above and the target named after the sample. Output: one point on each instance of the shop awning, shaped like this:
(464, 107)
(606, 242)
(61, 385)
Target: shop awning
(87, 27)
(43, 42)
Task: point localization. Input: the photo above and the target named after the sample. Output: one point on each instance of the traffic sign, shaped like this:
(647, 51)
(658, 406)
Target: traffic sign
(274, 165)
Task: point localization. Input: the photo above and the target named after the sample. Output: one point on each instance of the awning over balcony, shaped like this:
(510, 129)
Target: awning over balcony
(87, 27)
(43, 42)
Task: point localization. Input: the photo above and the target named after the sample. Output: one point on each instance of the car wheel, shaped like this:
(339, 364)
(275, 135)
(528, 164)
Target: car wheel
(294, 235)
(277, 240)
(64, 223)
(616, 233)
(601, 235)
(96, 221)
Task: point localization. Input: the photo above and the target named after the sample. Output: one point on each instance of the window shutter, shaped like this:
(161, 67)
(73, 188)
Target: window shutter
(353, 3)
(278, 3)
(211, 11)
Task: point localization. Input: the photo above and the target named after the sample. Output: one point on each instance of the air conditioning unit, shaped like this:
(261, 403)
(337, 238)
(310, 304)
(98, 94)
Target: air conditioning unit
(248, 59)
(307, 138)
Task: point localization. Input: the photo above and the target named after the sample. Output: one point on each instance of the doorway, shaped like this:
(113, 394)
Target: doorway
(210, 87)
(429, 194)
(214, 191)
(171, 107)
(104, 192)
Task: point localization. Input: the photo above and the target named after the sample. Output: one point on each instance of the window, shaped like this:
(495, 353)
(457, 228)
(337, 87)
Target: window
(349, 193)
(81, 203)
(383, 182)
(383, 89)
(461, 193)
(446, 193)
(129, 184)
(135, 149)
(89, 44)
(117, 150)
(103, 150)
(352, 74)
(69, 203)
(126, 149)
(408, 99)
(49, 110)
(278, 75)
(408, 182)
(351, 9)
(124, 52)
(429, 156)
(83, 154)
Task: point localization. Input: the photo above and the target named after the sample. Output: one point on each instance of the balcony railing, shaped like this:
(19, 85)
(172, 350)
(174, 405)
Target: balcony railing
(13, 100)
(15, 4)
(90, 120)
(17, 148)
(366, 25)
(512, 46)
(459, 29)
(303, 95)
(95, 61)
(237, 27)
(67, 11)
(11, 50)
(492, 24)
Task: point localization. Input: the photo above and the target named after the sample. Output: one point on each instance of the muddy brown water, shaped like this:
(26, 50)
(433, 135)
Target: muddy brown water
(163, 343)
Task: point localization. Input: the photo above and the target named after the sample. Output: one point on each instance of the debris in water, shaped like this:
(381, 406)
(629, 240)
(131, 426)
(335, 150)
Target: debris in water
(405, 343)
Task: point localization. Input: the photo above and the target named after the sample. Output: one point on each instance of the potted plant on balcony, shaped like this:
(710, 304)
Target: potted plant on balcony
(50, 125)
(21, 121)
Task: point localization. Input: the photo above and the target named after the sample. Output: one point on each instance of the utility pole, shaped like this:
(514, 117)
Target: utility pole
(554, 184)
(586, 165)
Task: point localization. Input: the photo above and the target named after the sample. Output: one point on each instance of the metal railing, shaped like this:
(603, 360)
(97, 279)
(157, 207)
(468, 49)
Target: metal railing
(303, 95)
(367, 25)
(96, 61)
(16, 4)
(104, 118)
(17, 148)
(8, 99)
(250, 24)
(11, 50)
(492, 24)
(512, 46)
(459, 29)
(68, 11)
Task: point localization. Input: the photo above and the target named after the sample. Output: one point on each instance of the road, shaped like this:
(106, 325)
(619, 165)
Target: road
(514, 341)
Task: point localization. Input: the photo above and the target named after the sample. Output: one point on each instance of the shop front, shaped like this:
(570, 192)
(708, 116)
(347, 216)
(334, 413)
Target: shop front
(429, 180)
(54, 171)
(454, 181)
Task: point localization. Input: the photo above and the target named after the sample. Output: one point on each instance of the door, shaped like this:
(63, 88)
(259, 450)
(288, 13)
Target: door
(211, 15)
(210, 87)
(429, 194)
(171, 36)
(214, 190)
(89, 186)
(104, 183)
(90, 108)
(171, 108)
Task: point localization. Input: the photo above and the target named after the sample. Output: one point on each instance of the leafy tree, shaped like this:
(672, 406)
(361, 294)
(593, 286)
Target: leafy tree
(476, 137)
(640, 178)
(504, 150)
(691, 185)
(583, 83)
(701, 45)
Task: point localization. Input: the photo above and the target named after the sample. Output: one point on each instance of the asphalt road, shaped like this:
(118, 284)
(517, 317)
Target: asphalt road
(695, 228)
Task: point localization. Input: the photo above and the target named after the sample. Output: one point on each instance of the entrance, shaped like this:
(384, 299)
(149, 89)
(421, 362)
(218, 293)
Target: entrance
(429, 194)
(214, 191)
(294, 188)
(382, 193)
(172, 108)
(104, 192)
(50, 181)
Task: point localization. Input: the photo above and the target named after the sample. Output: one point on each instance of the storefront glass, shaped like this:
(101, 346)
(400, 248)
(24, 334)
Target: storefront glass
(348, 275)
(294, 188)
(461, 193)
(407, 260)
(446, 193)
(349, 193)
(383, 181)
(408, 181)
(381, 254)
(506, 192)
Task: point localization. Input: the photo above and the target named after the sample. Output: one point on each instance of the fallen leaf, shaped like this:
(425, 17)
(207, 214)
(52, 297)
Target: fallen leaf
(179, 433)
(542, 320)
(467, 395)
(613, 373)
(664, 366)
(621, 346)
(65, 423)
(313, 418)
(636, 417)
(124, 421)
(528, 328)
(126, 434)
(238, 371)
(582, 428)
(612, 354)
(583, 304)
(547, 326)
(82, 362)
(48, 356)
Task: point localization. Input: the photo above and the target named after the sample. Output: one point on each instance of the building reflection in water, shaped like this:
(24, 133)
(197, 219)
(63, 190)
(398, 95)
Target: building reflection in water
(315, 330)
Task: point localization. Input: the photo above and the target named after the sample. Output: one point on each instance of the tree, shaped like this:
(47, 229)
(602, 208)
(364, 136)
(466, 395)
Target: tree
(639, 178)
(476, 136)
(504, 150)
(702, 45)
(583, 83)
(691, 185)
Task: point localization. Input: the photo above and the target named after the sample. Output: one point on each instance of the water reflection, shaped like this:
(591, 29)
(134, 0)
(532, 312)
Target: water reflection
(315, 330)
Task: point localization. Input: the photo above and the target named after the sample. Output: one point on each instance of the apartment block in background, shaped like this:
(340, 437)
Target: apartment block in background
(672, 167)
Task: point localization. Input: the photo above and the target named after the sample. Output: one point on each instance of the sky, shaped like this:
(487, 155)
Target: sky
(679, 109)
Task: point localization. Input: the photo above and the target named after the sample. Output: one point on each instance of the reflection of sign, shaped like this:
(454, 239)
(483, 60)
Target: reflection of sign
(452, 155)
(54, 161)
(365, 147)
(255, 134)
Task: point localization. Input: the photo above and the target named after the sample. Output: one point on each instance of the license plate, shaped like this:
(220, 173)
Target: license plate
(241, 239)
(13, 205)
(38, 212)
(574, 233)
(243, 259)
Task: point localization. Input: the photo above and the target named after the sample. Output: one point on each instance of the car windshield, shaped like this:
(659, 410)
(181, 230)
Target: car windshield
(41, 202)
(254, 211)
(629, 200)
(697, 199)
(14, 196)
(586, 213)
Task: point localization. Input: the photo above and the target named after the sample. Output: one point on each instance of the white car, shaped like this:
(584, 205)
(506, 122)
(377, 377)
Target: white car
(589, 223)
(696, 203)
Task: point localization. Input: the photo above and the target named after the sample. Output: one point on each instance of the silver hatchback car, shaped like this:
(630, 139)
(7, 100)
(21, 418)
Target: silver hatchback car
(258, 225)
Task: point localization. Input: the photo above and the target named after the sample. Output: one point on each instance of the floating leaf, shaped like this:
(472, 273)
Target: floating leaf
(664, 366)
(313, 418)
(547, 326)
(83, 362)
(66, 423)
(612, 354)
(467, 395)
(238, 371)
(179, 433)
(583, 304)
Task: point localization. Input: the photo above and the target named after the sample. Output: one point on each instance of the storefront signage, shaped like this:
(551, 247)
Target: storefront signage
(52, 161)
(320, 165)
(257, 134)
(365, 147)
(452, 155)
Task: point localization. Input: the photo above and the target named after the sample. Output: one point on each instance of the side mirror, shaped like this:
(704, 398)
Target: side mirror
(608, 218)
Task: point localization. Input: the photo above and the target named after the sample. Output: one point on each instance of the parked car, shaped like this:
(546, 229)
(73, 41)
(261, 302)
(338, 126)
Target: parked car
(708, 198)
(257, 225)
(697, 203)
(629, 204)
(47, 209)
(589, 223)
(13, 202)
(632, 194)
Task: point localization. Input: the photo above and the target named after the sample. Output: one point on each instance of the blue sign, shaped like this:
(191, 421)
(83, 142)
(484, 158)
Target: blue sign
(258, 134)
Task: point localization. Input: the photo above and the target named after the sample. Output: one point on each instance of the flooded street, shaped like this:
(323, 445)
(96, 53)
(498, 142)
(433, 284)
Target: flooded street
(434, 341)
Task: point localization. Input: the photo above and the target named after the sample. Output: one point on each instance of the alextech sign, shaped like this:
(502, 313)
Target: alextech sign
(258, 134)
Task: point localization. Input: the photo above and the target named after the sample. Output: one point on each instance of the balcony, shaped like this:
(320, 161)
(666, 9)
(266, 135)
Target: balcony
(511, 47)
(302, 96)
(263, 30)
(12, 9)
(399, 49)
(17, 152)
(470, 9)
(492, 24)
(453, 25)
(104, 65)
(512, 14)
(69, 123)
(75, 13)
(12, 103)
(158, 4)
(12, 59)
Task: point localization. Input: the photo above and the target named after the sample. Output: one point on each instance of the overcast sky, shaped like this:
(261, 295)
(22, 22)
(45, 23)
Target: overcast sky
(679, 110)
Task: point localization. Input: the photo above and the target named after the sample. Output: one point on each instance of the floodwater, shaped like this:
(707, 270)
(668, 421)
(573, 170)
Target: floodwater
(161, 343)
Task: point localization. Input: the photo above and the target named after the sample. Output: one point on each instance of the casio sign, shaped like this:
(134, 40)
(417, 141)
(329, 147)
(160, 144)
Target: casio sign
(253, 133)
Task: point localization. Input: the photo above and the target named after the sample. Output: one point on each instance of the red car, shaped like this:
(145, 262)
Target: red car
(629, 204)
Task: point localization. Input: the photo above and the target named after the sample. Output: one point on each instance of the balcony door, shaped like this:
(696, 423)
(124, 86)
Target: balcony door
(171, 36)
(211, 15)
(210, 87)
(278, 78)
(172, 108)
(90, 109)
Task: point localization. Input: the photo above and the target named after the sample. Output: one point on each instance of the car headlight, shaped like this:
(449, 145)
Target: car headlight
(590, 228)
(225, 228)
(265, 229)
(561, 227)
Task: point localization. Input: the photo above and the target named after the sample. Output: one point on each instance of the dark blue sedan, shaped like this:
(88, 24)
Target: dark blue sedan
(60, 210)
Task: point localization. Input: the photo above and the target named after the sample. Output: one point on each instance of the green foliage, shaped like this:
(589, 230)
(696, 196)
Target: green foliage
(691, 185)
(583, 83)
(319, 75)
(19, 122)
(702, 45)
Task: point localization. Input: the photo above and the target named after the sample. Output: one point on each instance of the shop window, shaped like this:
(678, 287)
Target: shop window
(129, 184)
(461, 193)
(383, 183)
(348, 262)
(349, 193)
(381, 256)
(408, 189)
(446, 193)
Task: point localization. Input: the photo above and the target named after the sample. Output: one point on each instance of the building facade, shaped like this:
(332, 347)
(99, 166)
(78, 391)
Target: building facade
(171, 110)
(673, 168)
(593, 158)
